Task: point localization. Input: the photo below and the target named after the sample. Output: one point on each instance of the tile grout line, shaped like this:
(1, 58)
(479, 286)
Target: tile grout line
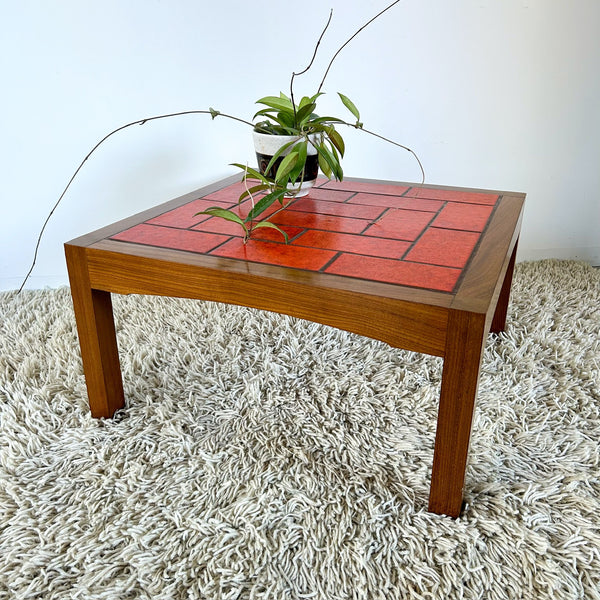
(426, 228)
(331, 261)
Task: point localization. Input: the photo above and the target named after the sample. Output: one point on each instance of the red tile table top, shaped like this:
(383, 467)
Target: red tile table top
(416, 236)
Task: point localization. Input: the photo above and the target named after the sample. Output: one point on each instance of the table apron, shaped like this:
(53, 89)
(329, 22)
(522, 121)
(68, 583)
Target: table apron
(403, 324)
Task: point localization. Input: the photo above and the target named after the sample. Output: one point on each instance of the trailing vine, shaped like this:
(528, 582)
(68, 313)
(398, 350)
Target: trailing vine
(282, 116)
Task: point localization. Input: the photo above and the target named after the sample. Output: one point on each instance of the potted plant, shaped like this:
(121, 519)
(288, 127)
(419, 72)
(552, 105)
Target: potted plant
(292, 142)
(290, 129)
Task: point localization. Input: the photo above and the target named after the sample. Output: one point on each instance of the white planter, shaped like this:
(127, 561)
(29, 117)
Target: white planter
(267, 145)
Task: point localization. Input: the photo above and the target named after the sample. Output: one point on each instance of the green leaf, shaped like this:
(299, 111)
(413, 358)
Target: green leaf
(305, 100)
(264, 203)
(213, 113)
(302, 149)
(275, 118)
(284, 103)
(350, 105)
(224, 213)
(287, 118)
(287, 164)
(334, 152)
(279, 153)
(324, 166)
(272, 226)
(252, 172)
(264, 111)
(325, 120)
(331, 161)
(270, 128)
(304, 113)
(336, 139)
(253, 190)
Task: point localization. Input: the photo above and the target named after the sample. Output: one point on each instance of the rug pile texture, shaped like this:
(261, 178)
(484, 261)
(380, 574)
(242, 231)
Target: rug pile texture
(265, 457)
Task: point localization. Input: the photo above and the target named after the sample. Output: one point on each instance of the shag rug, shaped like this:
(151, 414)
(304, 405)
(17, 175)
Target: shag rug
(265, 457)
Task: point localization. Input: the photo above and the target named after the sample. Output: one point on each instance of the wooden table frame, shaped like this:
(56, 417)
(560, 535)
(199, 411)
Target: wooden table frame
(453, 326)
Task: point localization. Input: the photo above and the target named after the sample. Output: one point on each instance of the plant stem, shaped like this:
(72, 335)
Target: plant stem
(381, 137)
(251, 201)
(312, 60)
(351, 38)
(213, 113)
(283, 207)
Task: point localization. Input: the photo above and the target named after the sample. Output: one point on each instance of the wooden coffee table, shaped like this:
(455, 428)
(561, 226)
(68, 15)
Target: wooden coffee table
(423, 268)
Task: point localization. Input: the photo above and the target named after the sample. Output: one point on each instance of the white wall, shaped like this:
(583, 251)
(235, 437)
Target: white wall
(491, 93)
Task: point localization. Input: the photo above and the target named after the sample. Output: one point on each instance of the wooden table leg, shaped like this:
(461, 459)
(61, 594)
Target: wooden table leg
(97, 338)
(499, 320)
(464, 348)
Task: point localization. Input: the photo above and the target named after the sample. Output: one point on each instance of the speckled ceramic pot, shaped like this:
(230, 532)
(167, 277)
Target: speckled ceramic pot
(266, 146)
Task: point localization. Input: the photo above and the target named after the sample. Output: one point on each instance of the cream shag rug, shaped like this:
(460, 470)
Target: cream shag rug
(260, 456)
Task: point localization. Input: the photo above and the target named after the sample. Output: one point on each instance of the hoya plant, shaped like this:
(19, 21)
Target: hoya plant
(284, 174)
(283, 117)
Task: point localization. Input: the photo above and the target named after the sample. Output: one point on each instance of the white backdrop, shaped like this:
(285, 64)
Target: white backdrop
(495, 94)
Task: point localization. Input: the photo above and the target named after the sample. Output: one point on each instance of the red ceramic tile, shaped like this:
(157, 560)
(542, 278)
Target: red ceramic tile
(271, 253)
(184, 216)
(338, 209)
(166, 237)
(453, 195)
(398, 272)
(331, 195)
(397, 202)
(231, 193)
(401, 224)
(308, 220)
(364, 186)
(266, 234)
(244, 208)
(371, 225)
(463, 216)
(358, 244)
(217, 225)
(445, 247)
